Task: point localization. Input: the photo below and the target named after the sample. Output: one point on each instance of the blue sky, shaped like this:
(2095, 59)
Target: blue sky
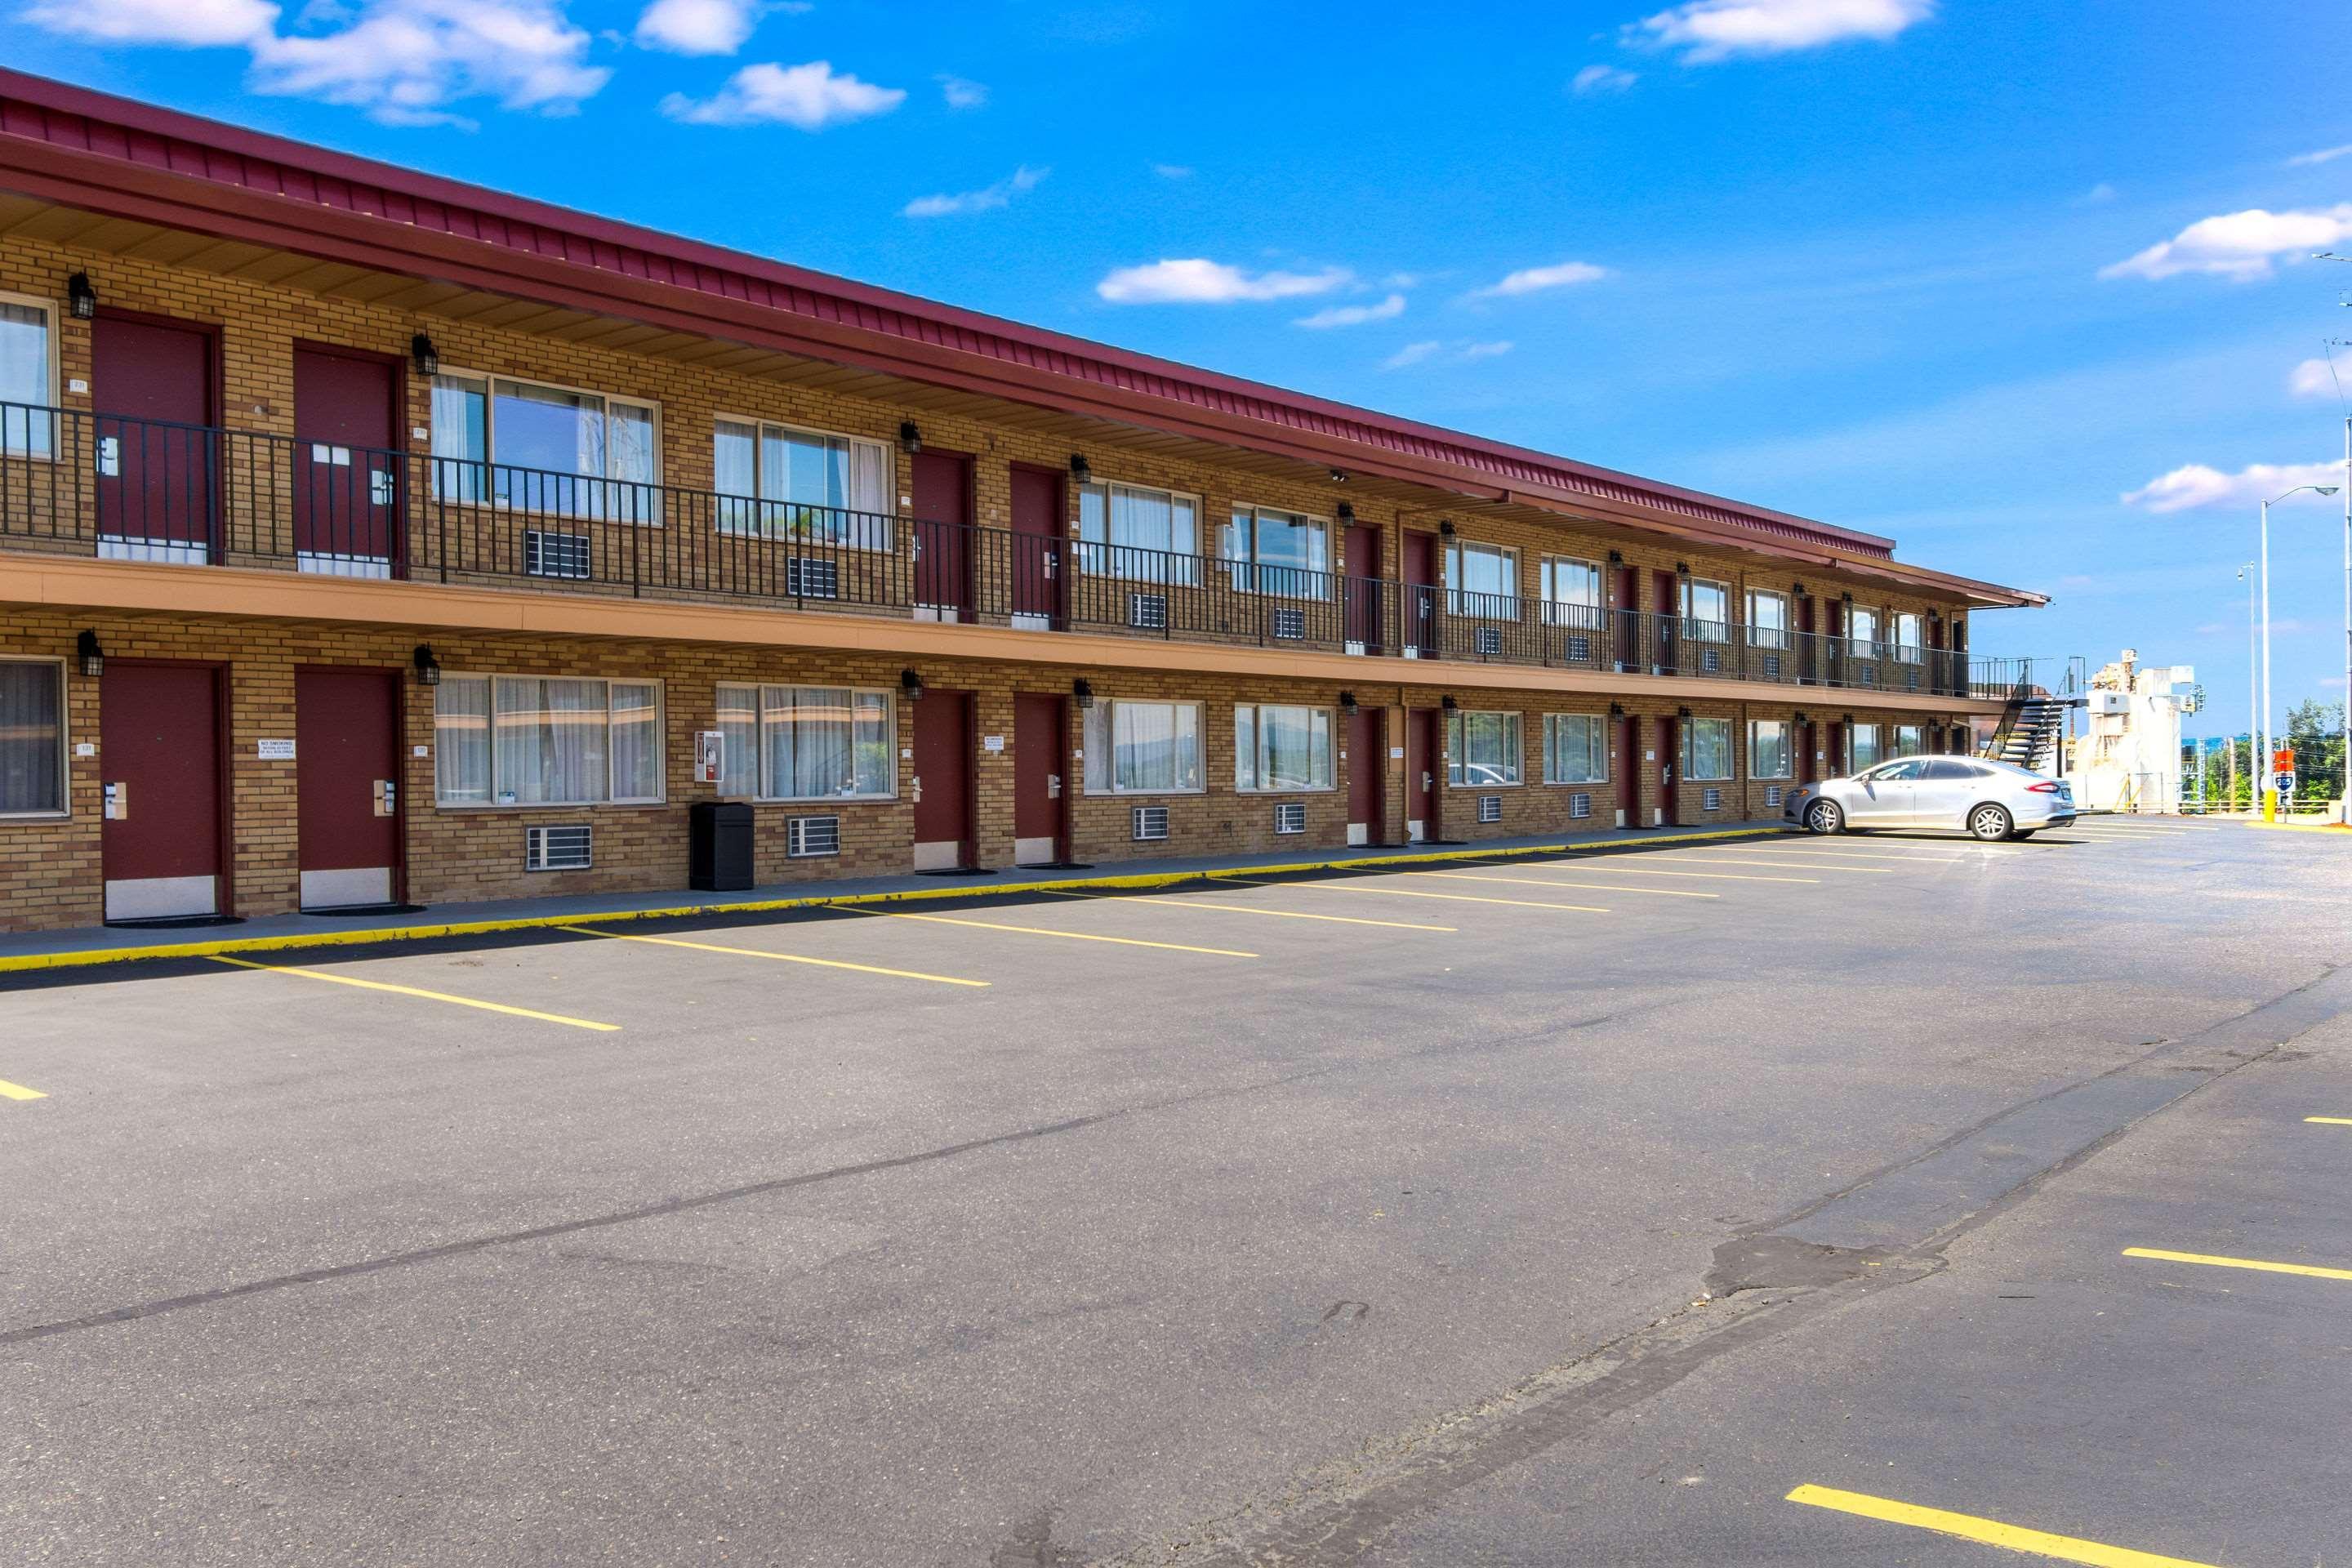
(1938, 269)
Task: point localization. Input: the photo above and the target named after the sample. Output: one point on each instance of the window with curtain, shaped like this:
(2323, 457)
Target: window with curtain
(783, 483)
(1482, 580)
(28, 385)
(537, 740)
(1130, 531)
(544, 448)
(1576, 748)
(1706, 749)
(32, 738)
(807, 743)
(1863, 748)
(1278, 748)
(1907, 637)
(1862, 631)
(1767, 619)
(1481, 750)
(1707, 610)
(1571, 593)
(1910, 740)
(1768, 752)
(1143, 748)
(1280, 552)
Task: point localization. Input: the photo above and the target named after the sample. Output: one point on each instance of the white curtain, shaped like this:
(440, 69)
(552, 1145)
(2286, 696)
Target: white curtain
(461, 740)
(32, 738)
(637, 741)
(25, 381)
(551, 741)
(1156, 746)
(807, 740)
(739, 755)
(1294, 748)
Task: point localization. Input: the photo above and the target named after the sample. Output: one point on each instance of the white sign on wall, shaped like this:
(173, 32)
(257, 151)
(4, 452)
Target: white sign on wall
(274, 751)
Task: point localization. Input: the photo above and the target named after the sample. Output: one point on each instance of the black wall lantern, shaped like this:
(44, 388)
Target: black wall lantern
(1803, 718)
(1616, 558)
(1346, 512)
(911, 684)
(1446, 526)
(429, 669)
(1682, 568)
(1337, 478)
(81, 298)
(1616, 710)
(1448, 702)
(1847, 597)
(910, 435)
(1082, 691)
(1081, 471)
(1798, 589)
(1347, 703)
(423, 355)
(91, 658)
(1682, 712)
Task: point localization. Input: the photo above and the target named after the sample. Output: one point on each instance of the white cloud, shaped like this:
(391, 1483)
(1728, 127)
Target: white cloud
(405, 61)
(1458, 353)
(2312, 378)
(962, 93)
(2241, 246)
(2195, 485)
(1412, 354)
(1602, 79)
(1710, 30)
(698, 26)
(1534, 279)
(2324, 156)
(195, 24)
(1172, 171)
(809, 96)
(1000, 194)
(1484, 351)
(1354, 315)
(1196, 281)
(2098, 195)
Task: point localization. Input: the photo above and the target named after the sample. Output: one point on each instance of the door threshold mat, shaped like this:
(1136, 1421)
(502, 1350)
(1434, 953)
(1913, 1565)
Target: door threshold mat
(176, 923)
(356, 912)
(958, 871)
(1057, 866)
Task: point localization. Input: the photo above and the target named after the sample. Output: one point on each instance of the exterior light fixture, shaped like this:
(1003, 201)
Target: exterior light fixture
(1682, 568)
(1081, 471)
(423, 355)
(1446, 526)
(429, 669)
(1616, 558)
(1803, 717)
(1347, 703)
(1798, 589)
(81, 298)
(1847, 597)
(910, 435)
(91, 658)
(1337, 478)
(1082, 691)
(1682, 712)
(1346, 512)
(911, 684)
(1616, 710)
(1448, 702)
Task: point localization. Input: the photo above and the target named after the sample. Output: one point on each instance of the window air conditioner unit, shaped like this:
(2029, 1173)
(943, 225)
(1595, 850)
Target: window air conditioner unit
(810, 577)
(546, 554)
(1150, 823)
(808, 837)
(1772, 796)
(1290, 624)
(1711, 800)
(1710, 660)
(1290, 816)
(562, 849)
(1488, 641)
(1148, 612)
(1772, 667)
(1580, 805)
(1490, 808)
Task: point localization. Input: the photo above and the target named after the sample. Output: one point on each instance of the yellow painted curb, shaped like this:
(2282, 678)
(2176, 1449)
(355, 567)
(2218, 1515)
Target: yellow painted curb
(2300, 827)
(81, 958)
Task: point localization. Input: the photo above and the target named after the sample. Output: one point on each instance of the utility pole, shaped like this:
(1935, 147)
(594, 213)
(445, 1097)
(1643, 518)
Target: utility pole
(2253, 708)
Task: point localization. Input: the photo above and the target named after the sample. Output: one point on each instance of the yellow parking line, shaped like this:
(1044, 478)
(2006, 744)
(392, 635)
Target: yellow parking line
(1556, 882)
(2309, 1269)
(2332, 1121)
(412, 991)
(18, 1091)
(1043, 931)
(1986, 1531)
(1409, 893)
(1189, 903)
(779, 957)
(1618, 867)
(1854, 855)
(1785, 860)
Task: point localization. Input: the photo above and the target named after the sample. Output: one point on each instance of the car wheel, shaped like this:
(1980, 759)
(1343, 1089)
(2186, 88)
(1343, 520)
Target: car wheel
(2022, 833)
(1989, 822)
(1823, 817)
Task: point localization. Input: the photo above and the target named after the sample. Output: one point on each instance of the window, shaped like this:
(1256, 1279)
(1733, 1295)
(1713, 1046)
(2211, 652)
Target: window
(1126, 531)
(1862, 631)
(1571, 593)
(1863, 747)
(1482, 580)
(1481, 750)
(1707, 610)
(1907, 637)
(805, 742)
(544, 448)
(1143, 748)
(32, 738)
(778, 482)
(1768, 748)
(27, 379)
(1277, 552)
(1767, 619)
(1910, 740)
(1282, 748)
(533, 739)
(1706, 748)
(1575, 748)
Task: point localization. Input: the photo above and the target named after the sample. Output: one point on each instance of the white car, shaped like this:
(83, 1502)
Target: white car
(1989, 800)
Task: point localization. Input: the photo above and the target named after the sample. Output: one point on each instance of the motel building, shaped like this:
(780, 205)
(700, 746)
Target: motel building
(367, 538)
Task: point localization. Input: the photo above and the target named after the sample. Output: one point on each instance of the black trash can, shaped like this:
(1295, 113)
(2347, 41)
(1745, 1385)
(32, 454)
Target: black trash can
(718, 851)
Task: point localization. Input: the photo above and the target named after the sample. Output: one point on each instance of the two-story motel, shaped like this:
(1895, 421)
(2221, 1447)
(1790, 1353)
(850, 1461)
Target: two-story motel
(366, 537)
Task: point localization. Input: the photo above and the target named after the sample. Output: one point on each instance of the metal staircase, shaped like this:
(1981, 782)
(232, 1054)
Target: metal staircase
(2031, 739)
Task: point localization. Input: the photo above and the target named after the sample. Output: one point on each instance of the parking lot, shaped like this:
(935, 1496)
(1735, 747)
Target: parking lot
(1872, 1199)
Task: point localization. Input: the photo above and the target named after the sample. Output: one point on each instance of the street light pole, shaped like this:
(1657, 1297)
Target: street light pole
(2270, 788)
(2253, 702)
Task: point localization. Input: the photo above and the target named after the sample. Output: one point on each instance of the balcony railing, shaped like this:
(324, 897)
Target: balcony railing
(141, 489)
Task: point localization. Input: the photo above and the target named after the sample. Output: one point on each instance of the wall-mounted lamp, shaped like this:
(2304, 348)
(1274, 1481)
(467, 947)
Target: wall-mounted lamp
(1616, 558)
(1803, 717)
(1616, 710)
(1847, 597)
(910, 435)
(1845, 718)
(91, 658)
(1346, 512)
(1347, 703)
(429, 669)
(1682, 712)
(1448, 702)
(1446, 526)
(81, 298)
(423, 355)
(1682, 568)
(911, 684)
(1081, 471)
(1082, 693)
(1798, 589)
(1337, 478)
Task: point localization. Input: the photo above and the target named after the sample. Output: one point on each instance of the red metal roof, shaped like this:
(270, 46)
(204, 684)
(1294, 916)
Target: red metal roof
(87, 133)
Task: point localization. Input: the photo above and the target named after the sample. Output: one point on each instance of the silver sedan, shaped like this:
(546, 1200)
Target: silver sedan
(1989, 800)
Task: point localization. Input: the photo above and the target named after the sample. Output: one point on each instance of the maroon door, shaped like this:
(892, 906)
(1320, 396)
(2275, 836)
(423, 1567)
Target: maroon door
(1424, 756)
(1809, 647)
(1834, 765)
(941, 784)
(1628, 762)
(347, 785)
(157, 459)
(1362, 585)
(1368, 767)
(943, 534)
(1666, 644)
(346, 478)
(1807, 769)
(1420, 608)
(1669, 775)
(1040, 525)
(1629, 626)
(159, 749)
(1039, 744)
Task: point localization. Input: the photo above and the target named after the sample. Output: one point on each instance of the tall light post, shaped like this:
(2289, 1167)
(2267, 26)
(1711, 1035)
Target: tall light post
(2270, 788)
(2344, 789)
(2253, 701)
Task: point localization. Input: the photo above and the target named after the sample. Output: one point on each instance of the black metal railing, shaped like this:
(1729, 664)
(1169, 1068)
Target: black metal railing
(149, 490)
